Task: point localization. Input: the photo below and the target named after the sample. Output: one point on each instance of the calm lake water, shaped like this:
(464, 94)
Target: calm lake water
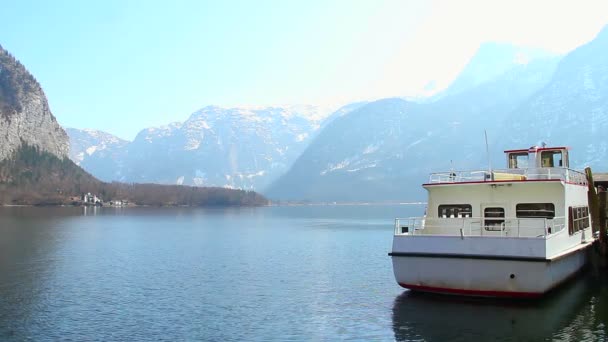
(274, 273)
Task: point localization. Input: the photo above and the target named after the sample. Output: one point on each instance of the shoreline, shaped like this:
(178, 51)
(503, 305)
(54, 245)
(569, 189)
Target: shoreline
(315, 204)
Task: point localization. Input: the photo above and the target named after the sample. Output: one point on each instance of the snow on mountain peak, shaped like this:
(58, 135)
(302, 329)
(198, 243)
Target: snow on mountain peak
(259, 113)
(249, 146)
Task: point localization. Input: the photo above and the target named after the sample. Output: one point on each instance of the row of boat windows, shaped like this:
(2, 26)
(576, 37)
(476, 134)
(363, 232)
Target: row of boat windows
(522, 210)
(494, 217)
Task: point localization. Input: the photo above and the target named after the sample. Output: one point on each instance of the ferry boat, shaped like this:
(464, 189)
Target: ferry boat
(516, 232)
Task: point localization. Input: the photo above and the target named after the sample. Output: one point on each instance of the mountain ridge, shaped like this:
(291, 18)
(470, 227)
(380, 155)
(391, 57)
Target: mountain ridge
(35, 170)
(395, 143)
(249, 145)
(572, 107)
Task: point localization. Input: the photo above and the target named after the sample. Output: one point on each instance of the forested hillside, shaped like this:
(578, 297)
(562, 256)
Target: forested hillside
(35, 177)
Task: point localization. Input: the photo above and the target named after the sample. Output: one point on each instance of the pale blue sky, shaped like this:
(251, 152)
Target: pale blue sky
(121, 66)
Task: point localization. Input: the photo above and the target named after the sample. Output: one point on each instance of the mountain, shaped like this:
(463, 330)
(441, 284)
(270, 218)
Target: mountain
(231, 147)
(34, 169)
(355, 154)
(341, 112)
(239, 147)
(571, 110)
(87, 142)
(491, 61)
(97, 150)
(25, 116)
(384, 150)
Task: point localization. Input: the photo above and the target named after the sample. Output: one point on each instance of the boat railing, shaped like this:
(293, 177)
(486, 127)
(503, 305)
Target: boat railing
(543, 173)
(477, 226)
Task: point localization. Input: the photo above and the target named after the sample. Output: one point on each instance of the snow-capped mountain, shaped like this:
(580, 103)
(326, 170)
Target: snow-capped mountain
(385, 149)
(86, 142)
(241, 147)
(231, 147)
(98, 151)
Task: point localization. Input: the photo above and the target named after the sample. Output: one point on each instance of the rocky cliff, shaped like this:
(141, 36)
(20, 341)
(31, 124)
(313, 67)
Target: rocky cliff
(25, 116)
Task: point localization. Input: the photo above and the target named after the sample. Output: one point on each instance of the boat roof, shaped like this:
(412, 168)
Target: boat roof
(537, 149)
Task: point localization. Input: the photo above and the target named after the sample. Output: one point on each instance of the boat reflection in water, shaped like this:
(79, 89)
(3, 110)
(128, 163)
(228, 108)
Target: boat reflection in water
(577, 311)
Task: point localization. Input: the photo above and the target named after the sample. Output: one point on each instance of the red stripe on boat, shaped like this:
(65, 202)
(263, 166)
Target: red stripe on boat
(477, 293)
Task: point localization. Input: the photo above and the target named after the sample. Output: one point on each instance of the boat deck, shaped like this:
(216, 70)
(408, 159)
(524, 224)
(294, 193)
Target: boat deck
(509, 175)
(478, 226)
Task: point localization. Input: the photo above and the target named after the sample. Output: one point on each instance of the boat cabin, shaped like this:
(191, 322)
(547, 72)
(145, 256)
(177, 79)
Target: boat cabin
(538, 157)
(536, 195)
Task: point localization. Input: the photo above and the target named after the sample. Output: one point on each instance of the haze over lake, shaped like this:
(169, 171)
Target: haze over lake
(268, 273)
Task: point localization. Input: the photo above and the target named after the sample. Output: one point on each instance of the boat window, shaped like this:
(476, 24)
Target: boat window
(551, 158)
(578, 219)
(455, 210)
(518, 160)
(494, 218)
(531, 210)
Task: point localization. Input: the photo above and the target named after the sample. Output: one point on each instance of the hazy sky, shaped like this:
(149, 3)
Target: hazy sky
(121, 66)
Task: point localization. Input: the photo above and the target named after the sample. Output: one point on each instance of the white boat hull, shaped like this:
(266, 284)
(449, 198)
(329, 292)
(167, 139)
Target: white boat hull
(489, 276)
(517, 232)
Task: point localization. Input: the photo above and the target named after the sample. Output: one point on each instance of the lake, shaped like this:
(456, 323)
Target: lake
(270, 273)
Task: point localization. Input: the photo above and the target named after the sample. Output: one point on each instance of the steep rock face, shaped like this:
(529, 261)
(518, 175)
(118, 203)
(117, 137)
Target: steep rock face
(97, 150)
(25, 116)
(572, 110)
(385, 149)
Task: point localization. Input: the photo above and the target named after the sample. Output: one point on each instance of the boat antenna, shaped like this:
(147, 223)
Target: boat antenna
(485, 132)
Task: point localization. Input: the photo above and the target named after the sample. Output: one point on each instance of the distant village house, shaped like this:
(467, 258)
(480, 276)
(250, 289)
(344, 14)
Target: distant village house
(89, 199)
